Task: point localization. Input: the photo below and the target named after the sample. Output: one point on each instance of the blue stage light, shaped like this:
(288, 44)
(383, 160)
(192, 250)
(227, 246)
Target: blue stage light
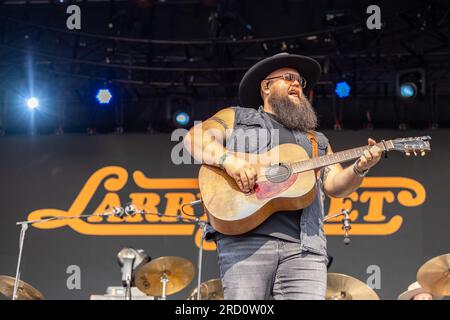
(342, 89)
(104, 96)
(182, 118)
(32, 103)
(408, 90)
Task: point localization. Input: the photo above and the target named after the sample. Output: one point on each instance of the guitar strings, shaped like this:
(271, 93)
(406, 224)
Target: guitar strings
(265, 170)
(299, 164)
(283, 174)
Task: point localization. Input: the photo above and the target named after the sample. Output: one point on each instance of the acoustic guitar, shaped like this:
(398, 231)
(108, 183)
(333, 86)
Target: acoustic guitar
(286, 180)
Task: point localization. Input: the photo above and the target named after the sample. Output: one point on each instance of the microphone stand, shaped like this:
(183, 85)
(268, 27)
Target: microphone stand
(202, 226)
(117, 212)
(24, 227)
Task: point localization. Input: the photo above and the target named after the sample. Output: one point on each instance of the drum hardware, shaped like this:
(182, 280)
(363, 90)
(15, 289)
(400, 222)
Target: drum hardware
(131, 209)
(434, 275)
(344, 287)
(164, 281)
(118, 293)
(164, 276)
(24, 290)
(209, 290)
(202, 225)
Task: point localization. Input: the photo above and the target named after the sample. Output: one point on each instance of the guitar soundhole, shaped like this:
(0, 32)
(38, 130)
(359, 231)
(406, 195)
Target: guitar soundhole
(278, 173)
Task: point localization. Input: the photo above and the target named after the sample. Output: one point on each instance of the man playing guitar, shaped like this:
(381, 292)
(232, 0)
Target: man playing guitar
(284, 257)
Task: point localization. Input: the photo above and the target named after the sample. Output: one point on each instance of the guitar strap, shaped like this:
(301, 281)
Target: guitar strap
(315, 147)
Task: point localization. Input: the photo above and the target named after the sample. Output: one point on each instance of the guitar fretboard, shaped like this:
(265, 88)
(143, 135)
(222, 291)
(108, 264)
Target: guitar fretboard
(338, 157)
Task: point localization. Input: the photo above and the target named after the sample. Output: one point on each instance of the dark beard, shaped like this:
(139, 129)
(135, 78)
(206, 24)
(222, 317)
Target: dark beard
(296, 116)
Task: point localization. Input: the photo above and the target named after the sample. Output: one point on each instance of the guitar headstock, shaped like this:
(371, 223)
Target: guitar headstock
(413, 145)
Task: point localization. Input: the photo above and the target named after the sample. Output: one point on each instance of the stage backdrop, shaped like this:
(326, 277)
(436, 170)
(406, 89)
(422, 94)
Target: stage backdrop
(400, 215)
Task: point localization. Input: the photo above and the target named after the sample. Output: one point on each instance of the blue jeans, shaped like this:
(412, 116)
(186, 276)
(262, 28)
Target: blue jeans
(254, 267)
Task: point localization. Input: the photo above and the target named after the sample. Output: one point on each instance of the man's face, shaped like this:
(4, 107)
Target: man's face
(280, 88)
(287, 101)
(423, 296)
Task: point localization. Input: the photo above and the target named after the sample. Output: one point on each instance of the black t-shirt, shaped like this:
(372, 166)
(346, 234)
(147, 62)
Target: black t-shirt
(283, 224)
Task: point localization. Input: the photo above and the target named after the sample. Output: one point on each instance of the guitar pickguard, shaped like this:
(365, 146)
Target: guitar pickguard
(267, 189)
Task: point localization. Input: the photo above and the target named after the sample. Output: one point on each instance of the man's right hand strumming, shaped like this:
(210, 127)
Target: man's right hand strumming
(241, 170)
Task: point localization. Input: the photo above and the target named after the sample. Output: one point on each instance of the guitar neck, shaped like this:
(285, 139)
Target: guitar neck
(338, 157)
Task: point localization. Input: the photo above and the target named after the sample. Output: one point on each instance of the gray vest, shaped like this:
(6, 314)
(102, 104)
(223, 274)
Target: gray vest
(247, 124)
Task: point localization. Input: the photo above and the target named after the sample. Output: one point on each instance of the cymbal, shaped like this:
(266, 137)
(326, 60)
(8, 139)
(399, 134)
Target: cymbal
(209, 290)
(178, 271)
(434, 275)
(343, 287)
(24, 290)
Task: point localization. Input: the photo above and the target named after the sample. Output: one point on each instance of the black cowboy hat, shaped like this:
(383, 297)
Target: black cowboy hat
(250, 86)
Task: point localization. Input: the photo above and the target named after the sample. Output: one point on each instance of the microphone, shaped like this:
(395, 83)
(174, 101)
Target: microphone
(130, 210)
(119, 212)
(346, 226)
(130, 260)
(126, 257)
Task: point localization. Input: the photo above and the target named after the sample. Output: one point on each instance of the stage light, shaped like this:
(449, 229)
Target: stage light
(408, 90)
(33, 103)
(342, 89)
(104, 96)
(176, 111)
(181, 118)
(411, 84)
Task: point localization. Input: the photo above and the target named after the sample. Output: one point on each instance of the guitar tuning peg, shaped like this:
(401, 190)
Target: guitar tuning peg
(407, 153)
(422, 153)
(415, 153)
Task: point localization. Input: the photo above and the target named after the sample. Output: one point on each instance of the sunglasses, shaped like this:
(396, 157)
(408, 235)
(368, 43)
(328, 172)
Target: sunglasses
(290, 78)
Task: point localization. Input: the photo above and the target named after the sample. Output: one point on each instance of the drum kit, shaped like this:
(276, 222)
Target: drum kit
(169, 275)
(163, 276)
(157, 279)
